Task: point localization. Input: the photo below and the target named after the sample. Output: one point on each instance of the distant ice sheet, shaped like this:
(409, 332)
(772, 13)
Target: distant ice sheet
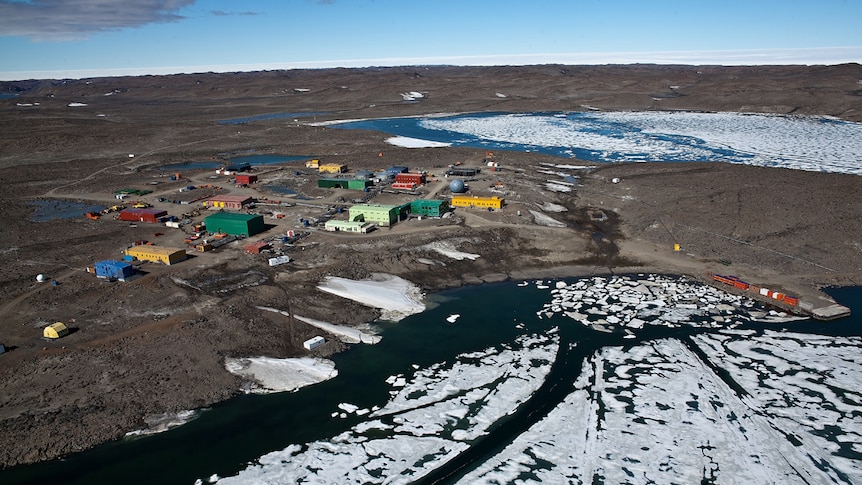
(804, 143)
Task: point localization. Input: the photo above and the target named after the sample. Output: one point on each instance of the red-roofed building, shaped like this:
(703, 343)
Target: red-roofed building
(256, 248)
(141, 215)
(245, 179)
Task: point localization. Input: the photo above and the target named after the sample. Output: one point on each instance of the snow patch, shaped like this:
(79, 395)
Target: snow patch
(395, 296)
(407, 142)
(277, 375)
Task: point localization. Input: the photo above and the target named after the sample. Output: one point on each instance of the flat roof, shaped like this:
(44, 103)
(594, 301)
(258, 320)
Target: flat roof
(233, 216)
(154, 250)
(229, 198)
(374, 206)
(144, 211)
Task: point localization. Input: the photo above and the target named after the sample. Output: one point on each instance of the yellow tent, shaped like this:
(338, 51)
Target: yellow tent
(55, 330)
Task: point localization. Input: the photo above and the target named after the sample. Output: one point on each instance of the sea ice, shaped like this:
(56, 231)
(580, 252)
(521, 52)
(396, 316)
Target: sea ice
(652, 414)
(436, 414)
(805, 143)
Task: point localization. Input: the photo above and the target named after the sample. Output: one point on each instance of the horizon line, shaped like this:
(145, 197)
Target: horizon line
(738, 57)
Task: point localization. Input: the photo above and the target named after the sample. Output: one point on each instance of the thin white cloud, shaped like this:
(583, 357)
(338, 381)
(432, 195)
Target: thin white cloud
(222, 13)
(754, 57)
(64, 20)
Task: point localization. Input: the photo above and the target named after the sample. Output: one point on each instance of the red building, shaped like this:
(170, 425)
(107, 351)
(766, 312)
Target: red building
(245, 179)
(256, 248)
(410, 178)
(141, 215)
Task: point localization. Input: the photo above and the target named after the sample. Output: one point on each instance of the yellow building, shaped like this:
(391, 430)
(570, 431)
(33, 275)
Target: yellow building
(55, 330)
(157, 254)
(312, 163)
(332, 168)
(493, 202)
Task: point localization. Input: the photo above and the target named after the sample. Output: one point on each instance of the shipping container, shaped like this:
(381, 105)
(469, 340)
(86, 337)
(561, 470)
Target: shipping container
(278, 260)
(313, 343)
(245, 179)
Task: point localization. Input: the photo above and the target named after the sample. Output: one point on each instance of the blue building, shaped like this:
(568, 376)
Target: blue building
(116, 270)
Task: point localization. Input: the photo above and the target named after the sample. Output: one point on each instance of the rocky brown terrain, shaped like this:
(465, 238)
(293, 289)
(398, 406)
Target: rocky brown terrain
(157, 344)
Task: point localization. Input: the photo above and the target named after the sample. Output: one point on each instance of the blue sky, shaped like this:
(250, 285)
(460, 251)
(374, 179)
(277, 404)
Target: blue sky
(83, 38)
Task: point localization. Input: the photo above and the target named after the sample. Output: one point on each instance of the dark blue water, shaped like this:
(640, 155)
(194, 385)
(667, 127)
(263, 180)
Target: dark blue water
(230, 435)
(271, 116)
(49, 210)
(8, 95)
(253, 160)
(587, 123)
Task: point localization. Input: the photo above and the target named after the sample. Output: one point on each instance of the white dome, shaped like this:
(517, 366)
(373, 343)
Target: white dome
(40, 277)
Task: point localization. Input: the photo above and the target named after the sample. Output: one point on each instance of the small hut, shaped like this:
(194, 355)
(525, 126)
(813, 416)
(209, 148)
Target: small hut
(55, 331)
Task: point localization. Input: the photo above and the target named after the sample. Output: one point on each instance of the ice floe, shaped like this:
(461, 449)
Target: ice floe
(431, 418)
(268, 374)
(624, 302)
(394, 296)
(714, 405)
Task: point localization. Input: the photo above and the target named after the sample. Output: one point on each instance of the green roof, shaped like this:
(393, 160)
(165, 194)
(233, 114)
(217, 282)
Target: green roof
(232, 216)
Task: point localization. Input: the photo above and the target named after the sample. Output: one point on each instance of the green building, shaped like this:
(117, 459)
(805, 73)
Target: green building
(235, 224)
(431, 208)
(382, 215)
(352, 184)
